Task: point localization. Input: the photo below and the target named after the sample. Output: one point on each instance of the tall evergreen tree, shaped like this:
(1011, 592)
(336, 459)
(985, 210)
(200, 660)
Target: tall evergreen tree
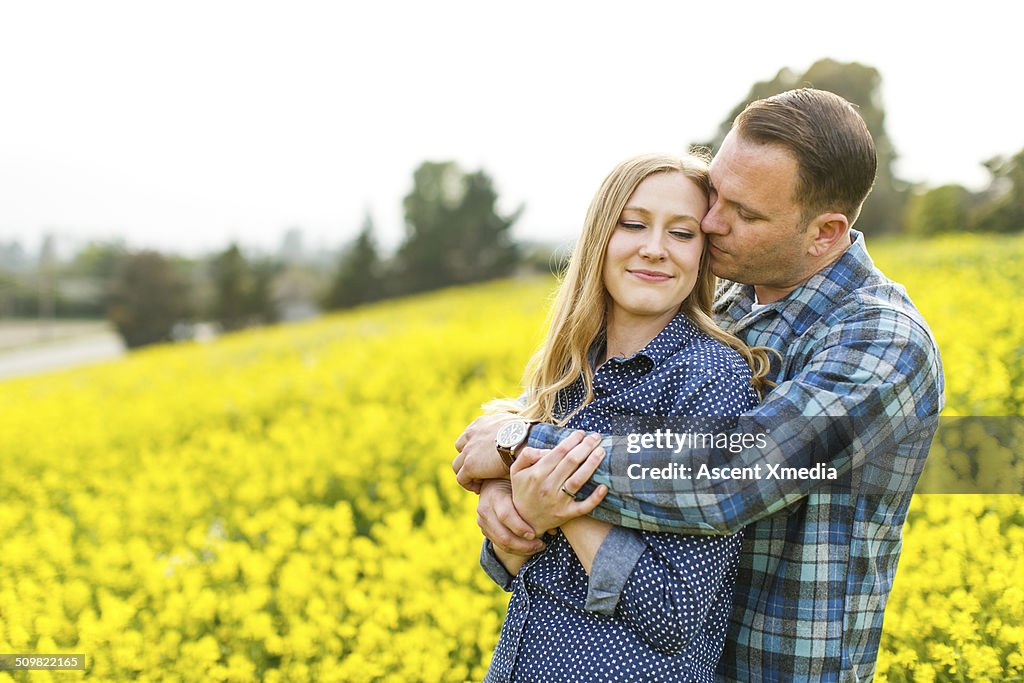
(232, 284)
(454, 232)
(359, 276)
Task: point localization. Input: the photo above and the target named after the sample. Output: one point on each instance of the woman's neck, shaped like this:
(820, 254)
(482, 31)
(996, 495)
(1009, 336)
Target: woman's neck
(628, 334)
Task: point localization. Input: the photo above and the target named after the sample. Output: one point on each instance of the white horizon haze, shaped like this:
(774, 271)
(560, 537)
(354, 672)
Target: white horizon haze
(189, 125)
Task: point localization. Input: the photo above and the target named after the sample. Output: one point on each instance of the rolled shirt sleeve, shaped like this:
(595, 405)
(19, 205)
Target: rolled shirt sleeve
(614, 563)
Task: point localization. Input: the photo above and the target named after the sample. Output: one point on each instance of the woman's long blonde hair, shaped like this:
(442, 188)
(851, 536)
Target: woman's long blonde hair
(578, 313)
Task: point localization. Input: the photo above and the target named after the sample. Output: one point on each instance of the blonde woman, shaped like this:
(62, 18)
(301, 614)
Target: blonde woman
(630, 335)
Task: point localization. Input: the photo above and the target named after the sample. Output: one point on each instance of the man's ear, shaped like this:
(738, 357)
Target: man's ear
(831, 232)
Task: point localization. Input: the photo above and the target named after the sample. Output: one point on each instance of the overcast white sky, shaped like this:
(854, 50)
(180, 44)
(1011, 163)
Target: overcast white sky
(183, 125)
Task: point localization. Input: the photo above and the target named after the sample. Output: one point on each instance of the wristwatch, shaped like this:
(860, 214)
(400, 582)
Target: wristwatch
(510, 438)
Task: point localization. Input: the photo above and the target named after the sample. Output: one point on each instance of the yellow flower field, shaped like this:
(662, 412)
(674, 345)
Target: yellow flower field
(278, 504)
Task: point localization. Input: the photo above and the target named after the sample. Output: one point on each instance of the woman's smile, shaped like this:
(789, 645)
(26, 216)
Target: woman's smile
(650, 275)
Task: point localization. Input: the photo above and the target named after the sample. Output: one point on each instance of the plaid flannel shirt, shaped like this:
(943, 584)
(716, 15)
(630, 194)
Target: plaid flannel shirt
(818, 556)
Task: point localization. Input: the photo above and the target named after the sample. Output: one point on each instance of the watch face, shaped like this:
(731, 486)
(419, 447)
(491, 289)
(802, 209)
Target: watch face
(511, 434)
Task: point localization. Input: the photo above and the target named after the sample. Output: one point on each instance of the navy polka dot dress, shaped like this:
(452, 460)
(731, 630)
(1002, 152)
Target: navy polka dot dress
(668, 620)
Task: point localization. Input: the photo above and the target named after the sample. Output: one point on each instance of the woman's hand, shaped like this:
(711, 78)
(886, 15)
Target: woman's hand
(545, 482)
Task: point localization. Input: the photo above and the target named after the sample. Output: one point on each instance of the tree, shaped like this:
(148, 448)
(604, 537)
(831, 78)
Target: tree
(231, 284)
(938, 210)
(359, 277)
(860, 85)
(260, 297)
(99, 260)
(243, 290)
(47, 280)
(454, 233)
(1002, 204)
(89, 277)
(148, 297)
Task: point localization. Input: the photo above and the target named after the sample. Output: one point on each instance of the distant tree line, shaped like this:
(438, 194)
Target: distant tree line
(954, 208)
(454, 234)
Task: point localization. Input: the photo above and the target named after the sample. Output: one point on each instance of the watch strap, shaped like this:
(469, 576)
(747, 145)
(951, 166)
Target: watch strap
(508, 455)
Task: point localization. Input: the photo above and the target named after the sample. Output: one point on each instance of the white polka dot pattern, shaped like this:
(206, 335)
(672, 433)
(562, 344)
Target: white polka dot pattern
(670, 620)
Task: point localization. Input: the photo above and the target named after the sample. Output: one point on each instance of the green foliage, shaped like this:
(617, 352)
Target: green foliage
(148, 297)
(99, 260)
(938, 210)
(242, 290)
(18, 297)
(232, 283)
(455, 234)
(861, 85)
(1002, 205)
(359, 277)
(260, 298)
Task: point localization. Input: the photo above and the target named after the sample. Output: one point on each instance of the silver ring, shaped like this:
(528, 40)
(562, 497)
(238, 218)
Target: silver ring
(566, 492)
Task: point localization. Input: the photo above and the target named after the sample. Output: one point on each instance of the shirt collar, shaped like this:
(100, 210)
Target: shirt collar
(819, 292)
(677, 333)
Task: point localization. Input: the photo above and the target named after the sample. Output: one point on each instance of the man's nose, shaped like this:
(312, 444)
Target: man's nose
(712, 222)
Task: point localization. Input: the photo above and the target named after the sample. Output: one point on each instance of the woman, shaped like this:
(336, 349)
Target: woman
(630, 334)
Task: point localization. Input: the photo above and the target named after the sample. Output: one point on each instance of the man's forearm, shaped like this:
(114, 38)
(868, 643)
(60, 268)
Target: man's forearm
(721, 505)
(714, 506)
(868, 390)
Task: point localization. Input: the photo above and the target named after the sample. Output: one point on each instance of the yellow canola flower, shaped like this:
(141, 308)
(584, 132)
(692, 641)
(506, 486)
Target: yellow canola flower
(278, 505)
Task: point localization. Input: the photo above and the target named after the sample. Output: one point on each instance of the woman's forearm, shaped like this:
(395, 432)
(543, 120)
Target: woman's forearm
(512, 563)
(585, 535)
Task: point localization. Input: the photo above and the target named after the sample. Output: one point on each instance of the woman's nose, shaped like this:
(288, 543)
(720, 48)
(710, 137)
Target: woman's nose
(653, 246)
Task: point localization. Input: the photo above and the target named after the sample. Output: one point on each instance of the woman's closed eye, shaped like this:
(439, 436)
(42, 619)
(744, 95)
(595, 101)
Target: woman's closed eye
(681, 234)
(632, 225)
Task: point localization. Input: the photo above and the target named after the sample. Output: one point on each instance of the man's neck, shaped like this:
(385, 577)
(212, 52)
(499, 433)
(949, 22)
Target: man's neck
(768, 294)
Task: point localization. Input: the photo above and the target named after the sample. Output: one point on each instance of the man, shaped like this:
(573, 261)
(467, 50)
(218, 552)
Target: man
(819, 554)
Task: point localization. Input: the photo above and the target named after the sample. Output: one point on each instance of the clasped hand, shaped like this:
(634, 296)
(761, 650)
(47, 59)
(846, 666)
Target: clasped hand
(545, 482)
(514, 515)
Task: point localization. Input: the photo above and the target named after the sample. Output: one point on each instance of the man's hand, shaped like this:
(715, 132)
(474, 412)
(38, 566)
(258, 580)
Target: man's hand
(478, 458)
(499, 521)
(544, 482)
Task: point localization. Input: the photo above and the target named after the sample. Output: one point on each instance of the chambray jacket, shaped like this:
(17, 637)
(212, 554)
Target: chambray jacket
(818, 556)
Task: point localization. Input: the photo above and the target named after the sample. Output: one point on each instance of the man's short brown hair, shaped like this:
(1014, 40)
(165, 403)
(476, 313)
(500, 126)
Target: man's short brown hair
(833, 148)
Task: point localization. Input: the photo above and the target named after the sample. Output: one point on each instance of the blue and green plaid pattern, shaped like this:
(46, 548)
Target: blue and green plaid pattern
(818, 556)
